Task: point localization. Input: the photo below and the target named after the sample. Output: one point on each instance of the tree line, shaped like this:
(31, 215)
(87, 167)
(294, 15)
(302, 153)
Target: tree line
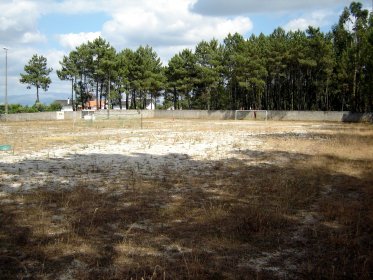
(301, 70)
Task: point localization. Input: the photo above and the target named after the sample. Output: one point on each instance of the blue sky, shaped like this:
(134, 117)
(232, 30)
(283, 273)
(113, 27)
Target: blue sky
(53, 28)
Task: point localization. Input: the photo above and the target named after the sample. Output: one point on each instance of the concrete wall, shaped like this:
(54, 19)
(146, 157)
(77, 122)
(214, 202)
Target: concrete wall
(69, 115)
(330, 116)
(195, 114)
(41, 116)
(200, 114)
(271, 115)
(149, 114)
(357, 117)
(124, 114)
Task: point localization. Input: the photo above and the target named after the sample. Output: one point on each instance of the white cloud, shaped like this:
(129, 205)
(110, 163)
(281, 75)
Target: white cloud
(36, 37)
(218, 28)
(163, 24)
(298, 24)
(54, 57)
(167, 52)
(315, 19)
(18, 15)
(72, 40)
(18, 22)
(167, 25)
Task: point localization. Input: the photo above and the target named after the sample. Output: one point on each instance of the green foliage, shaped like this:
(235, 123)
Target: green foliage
(299, 70)
(37, 74)
(55, 107)
(181, 74)
(353, 53)
(209, 59)
(37, 107)
(147, 74)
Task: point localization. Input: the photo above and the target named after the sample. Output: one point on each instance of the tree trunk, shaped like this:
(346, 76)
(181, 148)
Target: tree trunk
(208, 99)
(291, 86)
(175, 99)
(134, 103)
(97, 96)
(120, 100)
(127, 100)
(72, 94)
(144, 102)
(327, 95)
(37, 94)
(76, 99)
(101, 86)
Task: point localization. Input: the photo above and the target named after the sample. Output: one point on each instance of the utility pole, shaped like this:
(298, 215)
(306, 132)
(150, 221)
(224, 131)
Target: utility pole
(108, 96)
(6, 80)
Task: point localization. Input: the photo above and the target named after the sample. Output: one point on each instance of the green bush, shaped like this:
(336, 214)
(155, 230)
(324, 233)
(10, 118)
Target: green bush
(37, 107)
(55, 107)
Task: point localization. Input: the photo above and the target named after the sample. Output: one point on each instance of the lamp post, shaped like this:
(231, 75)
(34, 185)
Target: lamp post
(6, 80)
(108, 108)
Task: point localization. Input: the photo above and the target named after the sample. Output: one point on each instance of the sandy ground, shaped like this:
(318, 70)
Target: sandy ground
(146, 152)
(46, 157)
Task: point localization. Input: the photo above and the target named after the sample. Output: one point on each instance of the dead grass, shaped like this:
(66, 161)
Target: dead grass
(298, 207)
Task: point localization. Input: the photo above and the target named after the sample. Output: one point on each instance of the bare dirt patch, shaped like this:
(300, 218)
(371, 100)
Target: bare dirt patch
(186, 200)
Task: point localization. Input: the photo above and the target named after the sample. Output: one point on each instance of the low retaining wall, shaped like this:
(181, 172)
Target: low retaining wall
(357, 117)
(41, 116)
(73, 115)
(197, 114)
(194, 114)
(328, 116)
(124, 114)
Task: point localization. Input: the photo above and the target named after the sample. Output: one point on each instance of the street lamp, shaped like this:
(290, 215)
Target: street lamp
(108, 108)
(6, 80)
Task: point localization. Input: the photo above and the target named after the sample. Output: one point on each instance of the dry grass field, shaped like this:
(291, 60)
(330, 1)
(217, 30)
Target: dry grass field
(186, 200)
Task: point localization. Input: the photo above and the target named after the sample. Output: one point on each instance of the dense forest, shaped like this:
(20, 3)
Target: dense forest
(299, 70)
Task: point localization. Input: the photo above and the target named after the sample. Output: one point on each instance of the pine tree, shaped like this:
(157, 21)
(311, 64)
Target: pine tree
(182, 75)
(209, 68)
(69, 71)
(37, 74)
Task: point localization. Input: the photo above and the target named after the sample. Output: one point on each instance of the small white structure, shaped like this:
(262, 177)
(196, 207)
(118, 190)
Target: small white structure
(88, 115)
(60, 115)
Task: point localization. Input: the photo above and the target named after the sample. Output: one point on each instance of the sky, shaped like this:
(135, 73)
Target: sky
(53, 28)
